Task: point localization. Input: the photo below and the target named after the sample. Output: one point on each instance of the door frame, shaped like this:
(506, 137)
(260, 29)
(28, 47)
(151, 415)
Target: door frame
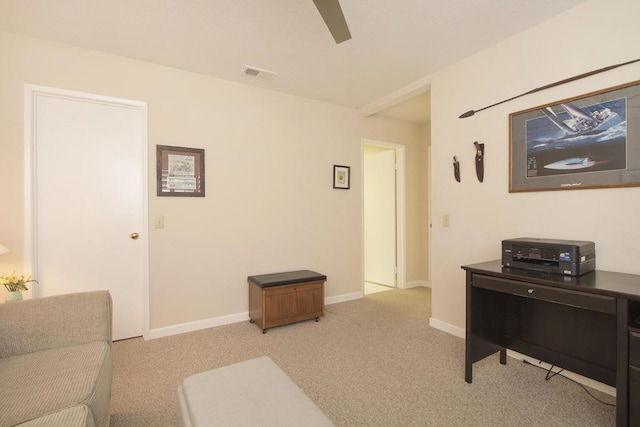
(401, 259)
(31, 93)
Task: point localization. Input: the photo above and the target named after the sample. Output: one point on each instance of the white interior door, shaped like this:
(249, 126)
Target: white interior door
(380, 215)
(89, 196)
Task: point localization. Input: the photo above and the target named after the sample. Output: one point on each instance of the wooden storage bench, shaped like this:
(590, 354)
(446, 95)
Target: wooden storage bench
(282, 298)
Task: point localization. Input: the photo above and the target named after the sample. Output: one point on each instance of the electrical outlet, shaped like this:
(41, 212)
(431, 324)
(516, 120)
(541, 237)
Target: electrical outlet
(446, 221)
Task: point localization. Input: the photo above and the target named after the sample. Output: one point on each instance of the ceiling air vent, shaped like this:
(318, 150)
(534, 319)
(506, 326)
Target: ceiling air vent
(258, 73)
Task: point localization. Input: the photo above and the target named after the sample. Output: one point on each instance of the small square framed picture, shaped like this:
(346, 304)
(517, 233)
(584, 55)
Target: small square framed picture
(341, 177)
(180, 171)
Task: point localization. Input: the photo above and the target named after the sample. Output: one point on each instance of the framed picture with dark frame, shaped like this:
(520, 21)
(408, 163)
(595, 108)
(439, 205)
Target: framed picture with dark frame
(180, 171)
(341, 177)
(589, 141)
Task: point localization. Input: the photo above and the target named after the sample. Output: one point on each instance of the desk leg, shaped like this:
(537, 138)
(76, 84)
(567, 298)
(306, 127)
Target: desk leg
(468, 353)
(622, 365)
(503, 356)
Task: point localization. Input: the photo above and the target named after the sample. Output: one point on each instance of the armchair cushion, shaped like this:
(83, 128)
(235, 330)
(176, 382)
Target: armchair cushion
(55, 355)
(36, 384)
(76, 416)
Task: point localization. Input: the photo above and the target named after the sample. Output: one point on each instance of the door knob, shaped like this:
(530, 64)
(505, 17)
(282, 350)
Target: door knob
(134, 236)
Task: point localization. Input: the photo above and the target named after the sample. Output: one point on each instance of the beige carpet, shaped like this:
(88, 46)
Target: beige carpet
(370, 362)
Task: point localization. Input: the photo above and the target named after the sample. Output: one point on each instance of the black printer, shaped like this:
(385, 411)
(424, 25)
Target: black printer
(570, 257)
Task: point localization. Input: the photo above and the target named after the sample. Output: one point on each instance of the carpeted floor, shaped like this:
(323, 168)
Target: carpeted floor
(369, 362)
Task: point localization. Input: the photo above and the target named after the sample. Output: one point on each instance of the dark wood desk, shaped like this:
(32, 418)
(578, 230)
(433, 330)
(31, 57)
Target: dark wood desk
(585, 324)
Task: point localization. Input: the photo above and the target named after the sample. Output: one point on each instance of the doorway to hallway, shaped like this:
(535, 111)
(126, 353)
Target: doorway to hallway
(374, 288)
(383, 212)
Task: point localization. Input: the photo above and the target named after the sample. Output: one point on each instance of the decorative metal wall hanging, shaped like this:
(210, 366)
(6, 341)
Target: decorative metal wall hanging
(479, 161)
(456, 168)
(558, 83)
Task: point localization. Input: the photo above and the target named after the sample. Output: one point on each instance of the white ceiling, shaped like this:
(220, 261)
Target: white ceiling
(395, 42)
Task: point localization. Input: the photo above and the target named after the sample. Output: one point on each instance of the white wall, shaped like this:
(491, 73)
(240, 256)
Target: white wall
(591, 36)
(269, 203)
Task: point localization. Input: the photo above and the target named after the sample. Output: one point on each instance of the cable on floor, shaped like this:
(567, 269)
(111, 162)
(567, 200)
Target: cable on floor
(550, 373)
(548, 377)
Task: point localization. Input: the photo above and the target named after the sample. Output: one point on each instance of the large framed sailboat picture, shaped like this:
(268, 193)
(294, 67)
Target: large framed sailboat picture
(590, 141)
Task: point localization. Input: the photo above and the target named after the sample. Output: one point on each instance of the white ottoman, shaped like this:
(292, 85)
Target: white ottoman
(252, 393)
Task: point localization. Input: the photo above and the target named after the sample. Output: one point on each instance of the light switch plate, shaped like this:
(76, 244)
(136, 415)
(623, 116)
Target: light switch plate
(158, 221)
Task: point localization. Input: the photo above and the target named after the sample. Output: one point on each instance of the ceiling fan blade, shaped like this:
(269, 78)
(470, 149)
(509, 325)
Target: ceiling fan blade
(331, 12)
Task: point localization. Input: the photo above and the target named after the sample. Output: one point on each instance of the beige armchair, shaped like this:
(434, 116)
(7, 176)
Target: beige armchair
(55, 360)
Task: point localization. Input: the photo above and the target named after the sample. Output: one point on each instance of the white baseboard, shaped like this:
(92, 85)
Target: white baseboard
(576, 377)
(460, 332)
(343, 298)
(447, 327)
(226, 320)
(417, 283)
(197, 325)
